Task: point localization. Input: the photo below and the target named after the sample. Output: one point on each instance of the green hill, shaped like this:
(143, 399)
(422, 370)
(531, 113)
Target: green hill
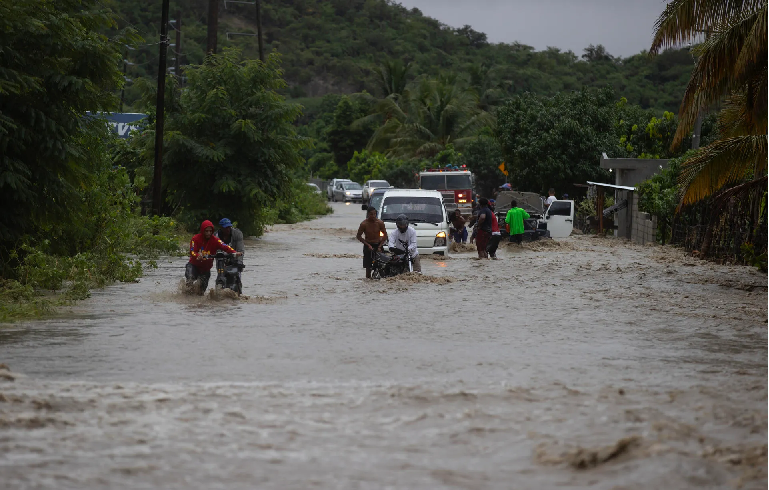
(332, 46)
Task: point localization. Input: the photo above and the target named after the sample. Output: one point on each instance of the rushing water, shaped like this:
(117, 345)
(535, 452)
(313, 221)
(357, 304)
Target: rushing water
(586, 363)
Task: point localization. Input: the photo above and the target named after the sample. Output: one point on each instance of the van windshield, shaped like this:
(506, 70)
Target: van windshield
(419, 209)
(375, 200)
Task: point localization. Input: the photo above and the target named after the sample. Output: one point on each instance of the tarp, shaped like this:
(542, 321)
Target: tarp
(122, 122)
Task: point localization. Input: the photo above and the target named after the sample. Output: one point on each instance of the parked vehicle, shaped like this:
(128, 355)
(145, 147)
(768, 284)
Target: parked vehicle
(347, 191)
(370, 185)
(533, 228)
(314, 188)
(555, 222)
(375, 198)
(332, 185)
(454, 184)
(391, 264)
(228, 270)
(559, 218)
(426, 214)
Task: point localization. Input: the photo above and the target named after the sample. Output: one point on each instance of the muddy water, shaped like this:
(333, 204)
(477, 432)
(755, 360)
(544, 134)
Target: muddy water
(584, 363)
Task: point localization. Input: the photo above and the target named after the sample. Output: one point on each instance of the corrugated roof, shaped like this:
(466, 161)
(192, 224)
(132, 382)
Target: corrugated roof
(623, 187)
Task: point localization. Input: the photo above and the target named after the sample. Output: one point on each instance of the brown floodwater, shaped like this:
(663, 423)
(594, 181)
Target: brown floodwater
(580, 363)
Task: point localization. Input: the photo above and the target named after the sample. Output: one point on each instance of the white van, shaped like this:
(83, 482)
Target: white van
(426, 214)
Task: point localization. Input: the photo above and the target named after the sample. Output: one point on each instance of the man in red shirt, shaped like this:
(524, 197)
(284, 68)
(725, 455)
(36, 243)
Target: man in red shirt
(203, 246)
(496, 235)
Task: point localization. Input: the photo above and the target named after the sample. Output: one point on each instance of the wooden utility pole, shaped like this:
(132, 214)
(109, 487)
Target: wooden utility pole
(157, 204)
(177, 64)
(213, 25)
(259, 29)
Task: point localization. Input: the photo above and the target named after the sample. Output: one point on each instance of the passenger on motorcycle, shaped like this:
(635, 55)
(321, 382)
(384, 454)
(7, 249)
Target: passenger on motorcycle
(231, 236)
(404, 234)
(203, 246)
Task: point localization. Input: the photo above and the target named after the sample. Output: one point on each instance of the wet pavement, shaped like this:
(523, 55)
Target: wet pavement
(581, 363)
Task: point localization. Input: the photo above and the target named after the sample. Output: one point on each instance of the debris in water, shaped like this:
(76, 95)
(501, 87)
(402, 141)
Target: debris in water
(457, 247)
(219, 294)
(415, 278)
(5, 373)
(334, 256)
(584, 458)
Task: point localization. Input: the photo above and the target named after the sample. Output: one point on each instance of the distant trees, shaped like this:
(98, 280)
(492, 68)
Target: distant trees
(232, 149)
(556, 141)
(428, 116)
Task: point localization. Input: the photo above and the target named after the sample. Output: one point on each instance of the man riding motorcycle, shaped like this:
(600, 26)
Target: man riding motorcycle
(203, 247)
(405, 234)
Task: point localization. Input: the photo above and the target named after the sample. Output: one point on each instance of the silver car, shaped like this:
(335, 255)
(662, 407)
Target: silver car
(347, 191)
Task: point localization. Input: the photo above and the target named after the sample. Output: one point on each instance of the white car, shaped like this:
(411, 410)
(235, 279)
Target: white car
(332, 185)
(426, 214)
(314, 188)
(347, 191)
(370, 185)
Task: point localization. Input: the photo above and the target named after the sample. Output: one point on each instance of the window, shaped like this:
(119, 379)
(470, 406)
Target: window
(458, 182)
(433, 182)
(560, 208)
(378, 183)
(351, 186)
(418, 209)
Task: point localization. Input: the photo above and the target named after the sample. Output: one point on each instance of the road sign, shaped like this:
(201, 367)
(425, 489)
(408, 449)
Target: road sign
(502, 168)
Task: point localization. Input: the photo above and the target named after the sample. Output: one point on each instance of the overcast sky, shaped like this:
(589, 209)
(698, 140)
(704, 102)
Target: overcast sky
(624, 27)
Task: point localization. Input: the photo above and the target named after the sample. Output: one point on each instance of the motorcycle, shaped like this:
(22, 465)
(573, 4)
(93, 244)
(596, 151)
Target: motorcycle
(228, 270)
(392, 264)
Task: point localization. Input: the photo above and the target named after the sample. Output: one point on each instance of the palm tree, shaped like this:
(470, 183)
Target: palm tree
(391, 77)
(731, 69)
(427, 117)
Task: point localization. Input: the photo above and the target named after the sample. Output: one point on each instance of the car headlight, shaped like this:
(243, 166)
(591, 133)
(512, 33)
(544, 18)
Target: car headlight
(347, 193)
(381, 234)
(460, 195)
(441, 234)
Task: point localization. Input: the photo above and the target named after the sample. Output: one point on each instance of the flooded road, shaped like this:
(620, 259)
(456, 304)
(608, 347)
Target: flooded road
(582, 363)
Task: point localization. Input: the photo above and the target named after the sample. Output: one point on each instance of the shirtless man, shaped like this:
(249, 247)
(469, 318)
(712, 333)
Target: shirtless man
(375, 237)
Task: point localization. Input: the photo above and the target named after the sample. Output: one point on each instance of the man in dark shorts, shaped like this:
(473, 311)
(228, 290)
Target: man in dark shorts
(483, 226)
(373, 235)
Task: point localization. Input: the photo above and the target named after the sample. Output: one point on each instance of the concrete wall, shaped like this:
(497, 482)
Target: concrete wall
(644, 226)
(632, 171)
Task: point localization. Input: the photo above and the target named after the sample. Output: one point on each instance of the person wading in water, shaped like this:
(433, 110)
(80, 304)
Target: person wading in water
(203, 247)
(373, 235)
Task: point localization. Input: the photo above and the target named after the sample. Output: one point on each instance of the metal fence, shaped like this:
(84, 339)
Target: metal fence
(742, 220)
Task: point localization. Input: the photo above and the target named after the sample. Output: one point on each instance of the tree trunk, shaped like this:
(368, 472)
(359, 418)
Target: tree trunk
(213, 25)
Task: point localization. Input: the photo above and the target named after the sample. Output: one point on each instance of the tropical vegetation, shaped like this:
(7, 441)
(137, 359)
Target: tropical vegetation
(730, 73)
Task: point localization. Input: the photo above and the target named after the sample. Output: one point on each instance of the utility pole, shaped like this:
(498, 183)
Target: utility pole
(259, 29)
(122, 91)
(213, 25)
(160, 114)
(178, 46)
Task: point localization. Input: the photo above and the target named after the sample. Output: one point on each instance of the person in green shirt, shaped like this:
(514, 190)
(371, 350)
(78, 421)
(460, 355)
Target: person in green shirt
(514, 220)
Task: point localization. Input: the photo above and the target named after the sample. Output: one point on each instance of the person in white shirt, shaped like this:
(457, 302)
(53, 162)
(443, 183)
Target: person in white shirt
(550, 198)
(405, 234)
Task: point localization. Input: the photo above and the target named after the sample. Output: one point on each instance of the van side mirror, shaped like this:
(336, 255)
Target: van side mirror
(364, 206)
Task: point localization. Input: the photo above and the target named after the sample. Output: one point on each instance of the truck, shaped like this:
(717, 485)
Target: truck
(454, 184)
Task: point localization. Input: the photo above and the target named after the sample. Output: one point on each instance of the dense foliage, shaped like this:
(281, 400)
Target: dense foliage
(338, 46)
(54, 66)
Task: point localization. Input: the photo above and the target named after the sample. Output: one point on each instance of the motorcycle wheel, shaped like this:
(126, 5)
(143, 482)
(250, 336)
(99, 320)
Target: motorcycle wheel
(375, 274)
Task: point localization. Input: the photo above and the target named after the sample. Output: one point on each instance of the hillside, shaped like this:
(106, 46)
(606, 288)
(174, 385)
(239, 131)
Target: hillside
(331, 46)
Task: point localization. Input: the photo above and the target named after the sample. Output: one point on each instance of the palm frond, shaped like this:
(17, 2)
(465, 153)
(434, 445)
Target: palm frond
(715, 74)
(725, 162)
(683, 20)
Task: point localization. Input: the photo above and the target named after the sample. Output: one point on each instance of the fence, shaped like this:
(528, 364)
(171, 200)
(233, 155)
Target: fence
(742, 220)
